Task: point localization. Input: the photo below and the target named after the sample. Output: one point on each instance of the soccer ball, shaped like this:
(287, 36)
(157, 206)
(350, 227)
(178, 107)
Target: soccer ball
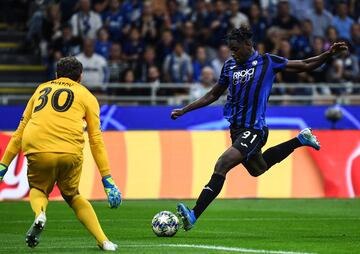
(165, 223)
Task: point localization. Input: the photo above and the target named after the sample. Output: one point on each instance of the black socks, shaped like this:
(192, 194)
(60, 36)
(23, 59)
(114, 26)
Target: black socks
(209, 193)
(277, 153)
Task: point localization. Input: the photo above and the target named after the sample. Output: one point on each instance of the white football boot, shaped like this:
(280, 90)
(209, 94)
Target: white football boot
(108, 246)
(33, 235)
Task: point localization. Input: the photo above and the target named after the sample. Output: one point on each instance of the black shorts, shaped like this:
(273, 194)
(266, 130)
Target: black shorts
(248, 141)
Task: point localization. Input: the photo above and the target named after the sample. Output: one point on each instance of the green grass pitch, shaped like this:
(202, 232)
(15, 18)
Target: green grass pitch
(275, 226)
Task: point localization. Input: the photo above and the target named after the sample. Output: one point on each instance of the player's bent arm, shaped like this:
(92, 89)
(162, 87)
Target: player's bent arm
(14, 146)
(307, 64)
(312, 63)
(211, 96)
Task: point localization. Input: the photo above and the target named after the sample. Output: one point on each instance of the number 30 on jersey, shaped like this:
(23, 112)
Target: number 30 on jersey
(55, 99)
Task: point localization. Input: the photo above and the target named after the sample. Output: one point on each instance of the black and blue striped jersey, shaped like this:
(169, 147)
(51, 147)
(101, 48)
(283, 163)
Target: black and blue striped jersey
(249, 85)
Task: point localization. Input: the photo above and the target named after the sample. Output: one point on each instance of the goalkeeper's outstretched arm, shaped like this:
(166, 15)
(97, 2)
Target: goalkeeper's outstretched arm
(99, 152)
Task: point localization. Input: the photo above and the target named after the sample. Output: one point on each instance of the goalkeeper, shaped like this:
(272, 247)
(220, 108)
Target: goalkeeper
(51, 136)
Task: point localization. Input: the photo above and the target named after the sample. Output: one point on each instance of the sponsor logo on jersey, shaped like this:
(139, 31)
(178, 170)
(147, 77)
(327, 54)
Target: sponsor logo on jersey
(243, 76)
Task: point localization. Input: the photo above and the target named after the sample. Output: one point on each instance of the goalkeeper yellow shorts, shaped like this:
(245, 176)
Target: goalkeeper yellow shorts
(46, 169)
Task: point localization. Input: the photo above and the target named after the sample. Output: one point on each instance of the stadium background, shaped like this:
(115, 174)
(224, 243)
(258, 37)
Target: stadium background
(142, 58)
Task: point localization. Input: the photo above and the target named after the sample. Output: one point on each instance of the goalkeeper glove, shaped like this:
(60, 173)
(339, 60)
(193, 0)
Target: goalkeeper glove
(3, 170)
(112, 191)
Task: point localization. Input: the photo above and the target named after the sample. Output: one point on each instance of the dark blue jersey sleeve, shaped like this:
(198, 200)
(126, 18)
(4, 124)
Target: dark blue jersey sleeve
(224, 78)
(277, 63)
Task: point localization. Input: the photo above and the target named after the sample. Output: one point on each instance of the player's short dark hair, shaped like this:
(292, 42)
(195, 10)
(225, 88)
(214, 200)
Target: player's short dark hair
(241, 34)
(69, 67)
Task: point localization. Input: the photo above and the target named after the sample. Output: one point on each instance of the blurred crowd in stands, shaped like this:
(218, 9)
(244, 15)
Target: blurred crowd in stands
(182, 41)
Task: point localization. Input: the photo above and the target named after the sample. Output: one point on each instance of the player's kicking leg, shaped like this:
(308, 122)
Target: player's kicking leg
(259, 163)
(229, 159)
(279, 152)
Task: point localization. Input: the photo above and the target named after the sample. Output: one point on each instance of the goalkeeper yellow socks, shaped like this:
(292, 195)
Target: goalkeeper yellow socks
(81, 207)
(38, 201)
(86, 214)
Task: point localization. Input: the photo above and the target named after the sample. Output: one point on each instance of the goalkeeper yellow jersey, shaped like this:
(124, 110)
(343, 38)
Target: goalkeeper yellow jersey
(54, 121)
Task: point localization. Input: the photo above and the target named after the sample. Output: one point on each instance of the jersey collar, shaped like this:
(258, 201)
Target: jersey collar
(250, 59)
(68, 80)
(253, 56)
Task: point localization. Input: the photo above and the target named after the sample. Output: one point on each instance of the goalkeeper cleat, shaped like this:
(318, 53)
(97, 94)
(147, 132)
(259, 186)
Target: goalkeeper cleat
(307, 138)
(187, 216)
(33, 235)
(108, 246)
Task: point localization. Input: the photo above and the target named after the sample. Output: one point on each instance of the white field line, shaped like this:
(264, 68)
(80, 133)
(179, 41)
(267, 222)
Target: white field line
(205, 219)
(212, 247)
(190, 246)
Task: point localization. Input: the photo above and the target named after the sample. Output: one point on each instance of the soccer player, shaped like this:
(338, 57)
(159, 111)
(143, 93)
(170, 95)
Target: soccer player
(51, 136)
(248, 76)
